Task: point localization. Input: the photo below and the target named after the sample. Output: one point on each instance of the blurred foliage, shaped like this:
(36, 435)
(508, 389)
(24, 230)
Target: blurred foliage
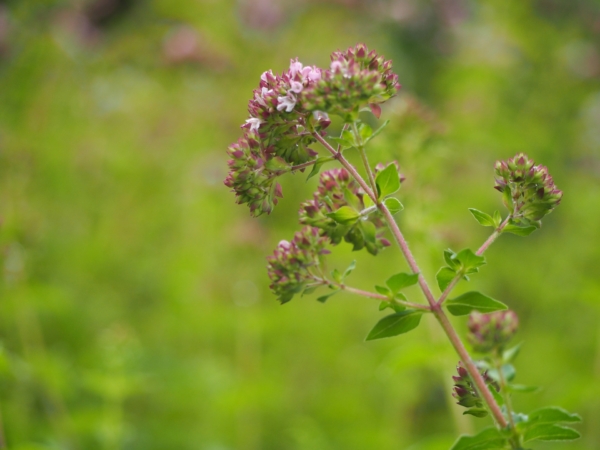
(134, 302)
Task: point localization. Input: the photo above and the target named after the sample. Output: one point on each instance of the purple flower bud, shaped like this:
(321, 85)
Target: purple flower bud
(530, 188)
(491, 332)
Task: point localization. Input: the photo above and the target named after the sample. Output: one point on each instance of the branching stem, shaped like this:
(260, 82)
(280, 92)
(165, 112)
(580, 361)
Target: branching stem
(435, 307)
(349, 167)
(479, 252)
(365, 159)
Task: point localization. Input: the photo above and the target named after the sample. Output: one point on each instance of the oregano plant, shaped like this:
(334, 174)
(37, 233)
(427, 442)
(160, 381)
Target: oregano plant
(287, 133)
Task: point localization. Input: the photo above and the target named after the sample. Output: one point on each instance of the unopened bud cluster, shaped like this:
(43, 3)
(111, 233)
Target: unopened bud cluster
(291, 267)
(252, 172)
(354, 79)
(529, 189)
(288, 110)
(464, 389)
(492, 331)
(337, 189)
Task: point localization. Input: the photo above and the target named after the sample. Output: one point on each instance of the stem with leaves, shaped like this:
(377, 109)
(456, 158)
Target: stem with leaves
(434, 306)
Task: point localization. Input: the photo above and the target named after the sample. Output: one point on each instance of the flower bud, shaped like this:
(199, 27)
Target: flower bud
(290, 267)
(356, 78)
(337, 189)
(530, 187)
(464, 388)
(492, 331)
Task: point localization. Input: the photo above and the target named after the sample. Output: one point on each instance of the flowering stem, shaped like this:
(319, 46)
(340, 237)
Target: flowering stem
(365, 160)
(298, 167)
(381, 297)
(507, 402)
(441, 317)
(479, 252)
(373, 295)
(493, 236)
(365, 212)
(349, 167)
(436, 308)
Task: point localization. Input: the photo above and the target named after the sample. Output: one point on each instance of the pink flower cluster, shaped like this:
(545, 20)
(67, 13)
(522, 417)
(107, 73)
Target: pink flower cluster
(292, 264)
(529, 188)
(337, 189)
(287, 111)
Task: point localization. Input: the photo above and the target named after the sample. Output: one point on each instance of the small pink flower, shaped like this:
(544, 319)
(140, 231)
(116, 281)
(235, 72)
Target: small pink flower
(296, 87)
(295, 67)
(253, 123)
(311, 73)
(284, 244)
(288, 102)
(336, 66)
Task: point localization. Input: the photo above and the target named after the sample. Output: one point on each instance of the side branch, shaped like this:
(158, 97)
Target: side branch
(349, 167)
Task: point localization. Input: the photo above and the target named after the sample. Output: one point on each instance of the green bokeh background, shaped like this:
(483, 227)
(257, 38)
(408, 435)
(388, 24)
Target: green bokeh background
(134, 303)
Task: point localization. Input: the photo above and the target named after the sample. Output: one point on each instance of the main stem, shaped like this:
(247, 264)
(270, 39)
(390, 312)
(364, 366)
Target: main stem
(434, 306)
(507, 401)
(443, 320)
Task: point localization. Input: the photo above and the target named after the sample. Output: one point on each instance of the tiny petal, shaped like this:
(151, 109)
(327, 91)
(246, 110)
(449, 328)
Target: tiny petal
(296, 87)
(253, 123)
(288, 102)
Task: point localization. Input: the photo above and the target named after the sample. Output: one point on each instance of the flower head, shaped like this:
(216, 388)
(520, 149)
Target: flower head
(464, 389)
(276, 136)
(291, 267)
(336, 190)
(529, 190)
(492, 331)
(355, 78)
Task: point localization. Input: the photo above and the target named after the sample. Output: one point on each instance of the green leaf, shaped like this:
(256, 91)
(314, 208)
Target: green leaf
(508, 371)
(450, 258)
(553, 414)
(507, 199)
(387, 181)
(511, 354)
(393, 204)
(384, 291)
(342, 142)
(349, 270)
(497, 396)
(477, 412)
(400, 296)
(522, 388)
(401, 280)
(488, 439)
(519, 231)
(550, 432)
(397, 306)
(473, 301)
(444, 276)
(365, 132)
(324, 298)
(344, 216)
(483, 218)
(396, 324)
(470, 261)
(368, 202)
(392, 304)
(497, 219)
(369, 231)
(317, 166)
(277, 163)
(336, 275)
(310, 289)
(377, 131)
(349, 137)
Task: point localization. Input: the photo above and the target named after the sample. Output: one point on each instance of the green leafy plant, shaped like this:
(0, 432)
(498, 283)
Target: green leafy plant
(289, 113)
